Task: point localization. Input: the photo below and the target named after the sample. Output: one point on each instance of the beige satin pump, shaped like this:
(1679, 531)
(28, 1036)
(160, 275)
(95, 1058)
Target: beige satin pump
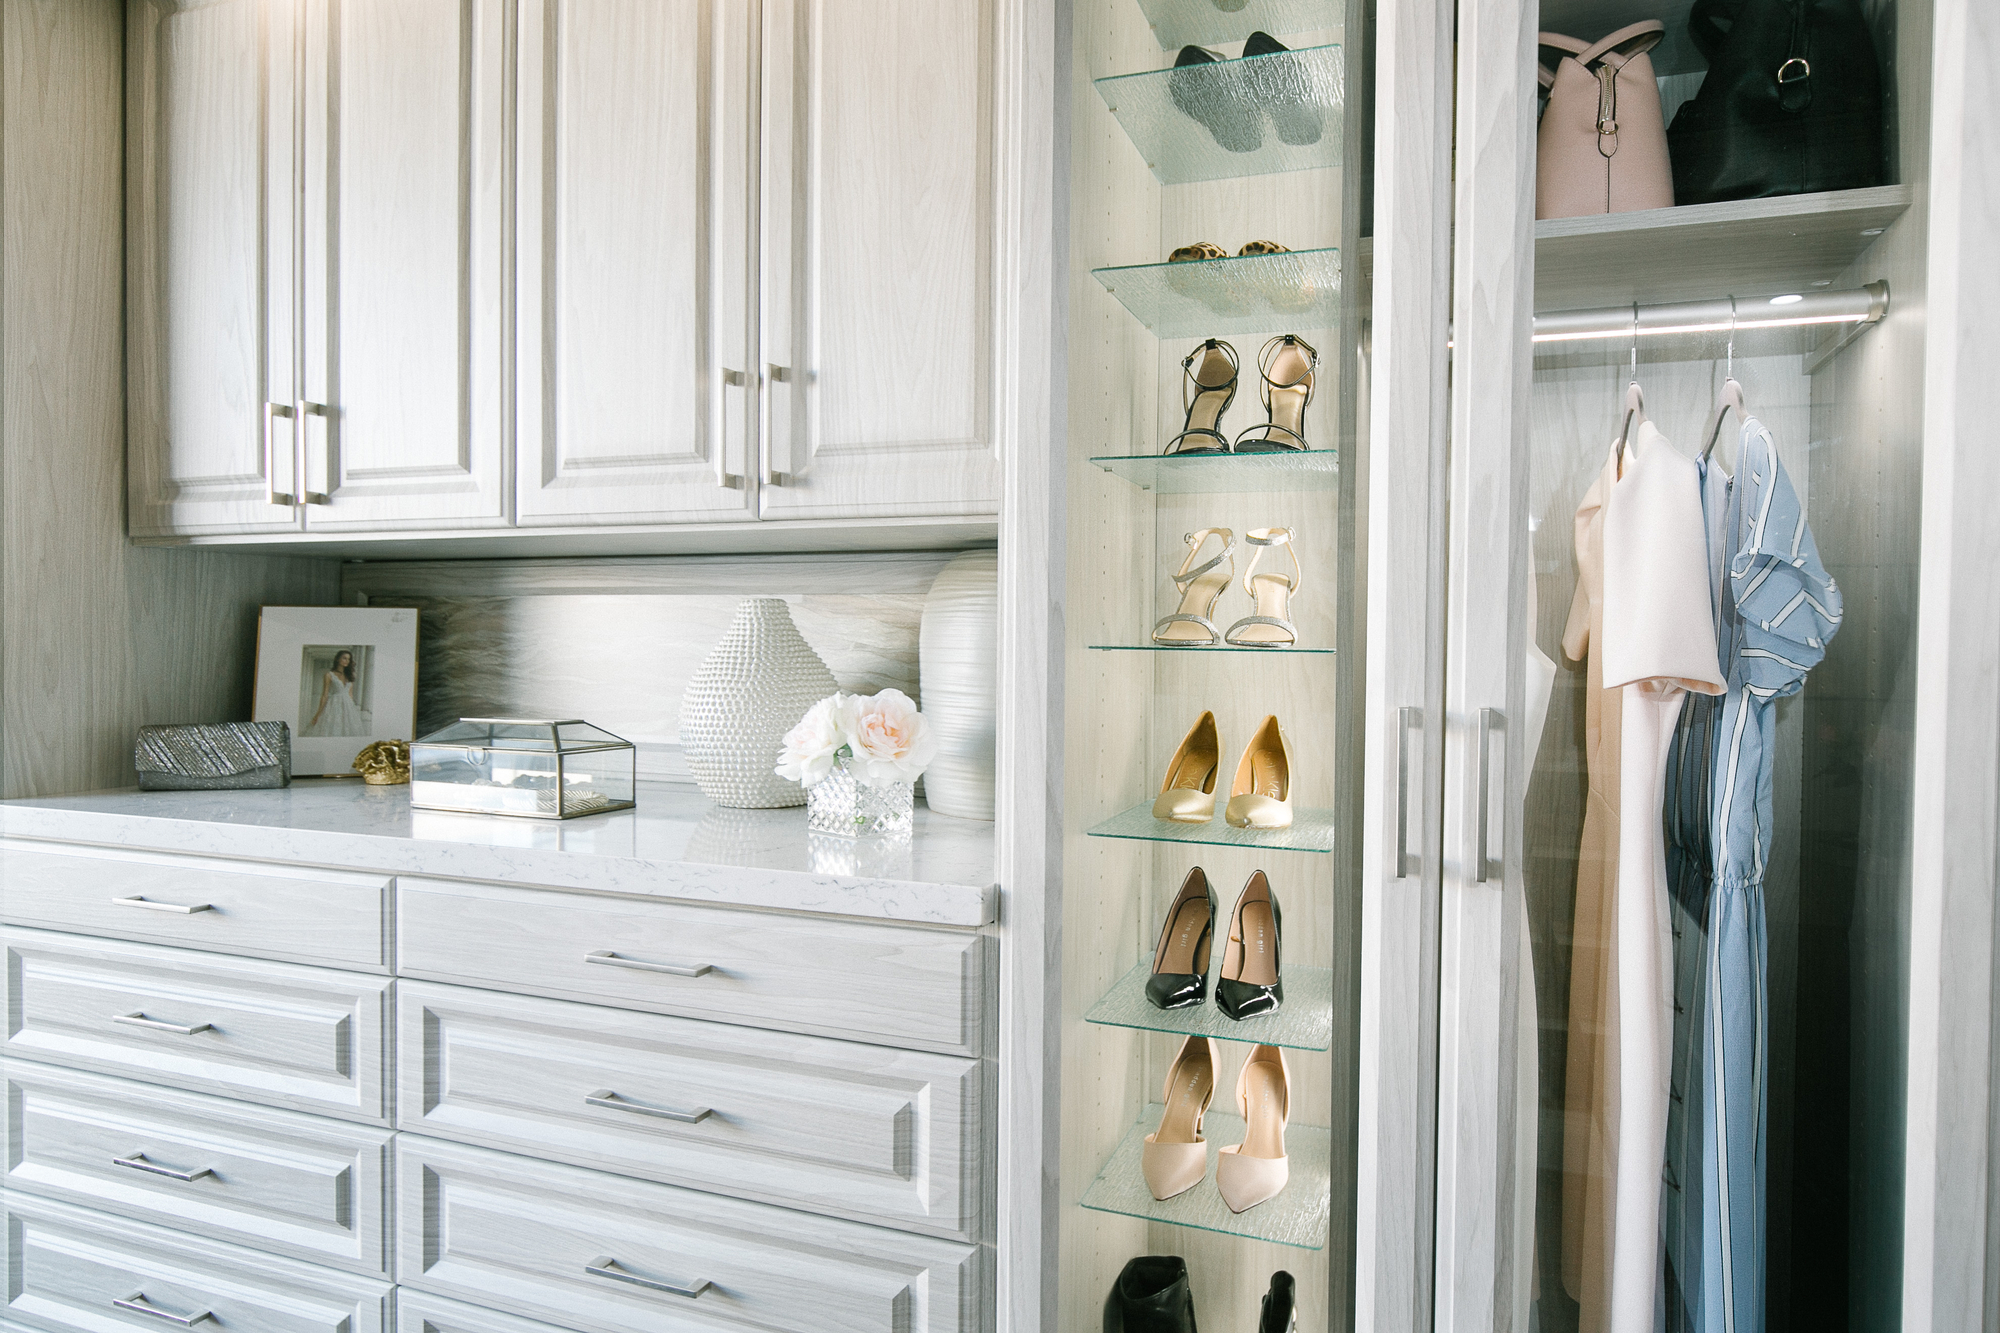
(1261, 796)
(1175, 1158)
(1187, 792)
(1255, 1170)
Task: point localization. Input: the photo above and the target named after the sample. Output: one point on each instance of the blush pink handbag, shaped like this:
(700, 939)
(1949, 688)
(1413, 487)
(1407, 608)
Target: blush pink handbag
(1602, 147)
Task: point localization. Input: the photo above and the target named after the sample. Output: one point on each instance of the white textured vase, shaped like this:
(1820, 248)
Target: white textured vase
(958, 648)
(754, 687)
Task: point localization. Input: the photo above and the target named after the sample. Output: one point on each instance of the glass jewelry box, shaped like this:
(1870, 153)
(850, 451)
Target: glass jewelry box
(532, 768)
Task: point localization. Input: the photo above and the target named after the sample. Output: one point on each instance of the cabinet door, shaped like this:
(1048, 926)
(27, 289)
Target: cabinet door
(878, 310)
(211, 170)
(633, 262)
(405, 266)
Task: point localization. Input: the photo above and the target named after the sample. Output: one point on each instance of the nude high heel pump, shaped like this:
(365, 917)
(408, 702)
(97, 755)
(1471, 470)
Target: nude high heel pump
(1269, 625)
(1250, 1172)
(1206, 394)
(1179, 978)
(1286, 364)
(1252, 979)
(1200, 585)
(1261, 796)
(1187, 792)
(1175, 1158)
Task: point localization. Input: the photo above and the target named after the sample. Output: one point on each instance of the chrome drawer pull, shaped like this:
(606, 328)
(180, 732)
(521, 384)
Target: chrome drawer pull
(138, 1304)
(611, 1101)
(610, 959)
(136, 901)
(138, 1019)
(137, 1161)
(605, 1266)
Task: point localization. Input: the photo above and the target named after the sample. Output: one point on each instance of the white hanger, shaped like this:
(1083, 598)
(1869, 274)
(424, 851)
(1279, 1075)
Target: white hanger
(1635, 397)
(1731, 398)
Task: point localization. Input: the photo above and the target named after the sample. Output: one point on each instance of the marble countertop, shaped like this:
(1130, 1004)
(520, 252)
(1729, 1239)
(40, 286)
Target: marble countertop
(675, 844)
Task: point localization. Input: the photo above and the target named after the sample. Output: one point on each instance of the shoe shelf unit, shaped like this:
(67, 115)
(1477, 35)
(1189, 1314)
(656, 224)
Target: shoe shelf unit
(1227, 474)
(1304, 1023)
(1262, 114)
(1178, 23)
(1296, 1217)
(1297, 289)
(1311, 830)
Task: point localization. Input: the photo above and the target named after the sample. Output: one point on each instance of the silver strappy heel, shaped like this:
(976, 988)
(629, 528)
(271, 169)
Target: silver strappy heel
(1200, 586)
(1270, 594)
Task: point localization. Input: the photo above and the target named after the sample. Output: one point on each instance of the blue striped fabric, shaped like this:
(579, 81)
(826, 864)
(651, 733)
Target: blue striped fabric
(1779, 610)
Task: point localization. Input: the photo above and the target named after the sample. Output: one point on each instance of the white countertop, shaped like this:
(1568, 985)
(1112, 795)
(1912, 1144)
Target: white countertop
(675, 844)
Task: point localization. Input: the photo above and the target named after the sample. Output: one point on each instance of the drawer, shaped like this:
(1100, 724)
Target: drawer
(834, 1126)
(896, 985)
(525, 1236)
(274, 1180)
(301, 916)
(278, 1033)
(421, 1312)
(66, 1268)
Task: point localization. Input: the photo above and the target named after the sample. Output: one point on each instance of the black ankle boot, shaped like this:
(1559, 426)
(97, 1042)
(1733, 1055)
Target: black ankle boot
(1280, 1313)
(1151, 1296)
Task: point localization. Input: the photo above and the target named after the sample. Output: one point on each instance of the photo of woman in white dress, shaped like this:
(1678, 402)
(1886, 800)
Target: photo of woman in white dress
(336, 712)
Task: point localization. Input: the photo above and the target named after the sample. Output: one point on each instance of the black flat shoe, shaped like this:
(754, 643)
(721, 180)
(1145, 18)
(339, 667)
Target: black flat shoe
(1180, 961)
(1280, 1311)
(1282, 88)
(1250, 982)
(1151, 1295)
(1214, 98)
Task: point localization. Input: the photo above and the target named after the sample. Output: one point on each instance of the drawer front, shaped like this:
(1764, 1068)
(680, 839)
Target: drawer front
(525, 1236)
(276, 1033)
(899, 986)
(274, 1180)
(302, 916)
(833, 1126)
(421, 1312)
(68, 1268)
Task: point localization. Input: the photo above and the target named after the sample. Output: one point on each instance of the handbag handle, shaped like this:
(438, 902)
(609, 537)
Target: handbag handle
(1614, 49)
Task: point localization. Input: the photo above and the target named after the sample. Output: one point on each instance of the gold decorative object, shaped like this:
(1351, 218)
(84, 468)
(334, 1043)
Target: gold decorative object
(385, 763)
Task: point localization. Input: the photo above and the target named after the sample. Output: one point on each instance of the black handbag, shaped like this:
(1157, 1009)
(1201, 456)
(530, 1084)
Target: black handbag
(1792, 102)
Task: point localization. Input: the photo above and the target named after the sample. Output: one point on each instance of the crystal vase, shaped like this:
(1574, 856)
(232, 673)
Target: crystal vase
(841, 803)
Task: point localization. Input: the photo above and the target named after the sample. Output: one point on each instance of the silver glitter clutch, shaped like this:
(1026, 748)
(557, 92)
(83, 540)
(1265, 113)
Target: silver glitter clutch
(222, 756)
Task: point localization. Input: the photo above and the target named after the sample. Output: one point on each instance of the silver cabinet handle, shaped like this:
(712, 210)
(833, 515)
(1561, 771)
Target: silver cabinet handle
(272, 495)
(138, 1304)
(731, 379)
(138, 1019)
(308, 496)
(136, 901)
(137, 1161)
(611, 1101)
(605, 1266)
(1408, 720)
(610, 959)
(773, 374)
(1490, 721)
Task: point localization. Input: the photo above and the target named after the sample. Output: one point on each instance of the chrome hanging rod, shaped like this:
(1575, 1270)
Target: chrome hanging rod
(1619, 323)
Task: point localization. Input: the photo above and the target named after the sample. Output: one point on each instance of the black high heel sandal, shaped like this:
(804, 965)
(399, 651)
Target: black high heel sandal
(1286, 365)
(1179, 978)
(1206, 395)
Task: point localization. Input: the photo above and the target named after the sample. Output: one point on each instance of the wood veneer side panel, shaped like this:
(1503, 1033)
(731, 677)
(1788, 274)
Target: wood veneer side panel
(96, 637)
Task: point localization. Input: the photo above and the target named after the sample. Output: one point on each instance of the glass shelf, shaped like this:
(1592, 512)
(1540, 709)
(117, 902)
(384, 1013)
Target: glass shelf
(1253, 116)
(1227, 474)
(1297, 1217)
(1178, 23)
(1311, 830)
(1303, 1023)
(1196, 648)
(1299, 289)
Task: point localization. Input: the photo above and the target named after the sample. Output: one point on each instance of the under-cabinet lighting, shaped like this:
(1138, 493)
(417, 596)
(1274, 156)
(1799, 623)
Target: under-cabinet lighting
(1793, 299)
(1623, 333)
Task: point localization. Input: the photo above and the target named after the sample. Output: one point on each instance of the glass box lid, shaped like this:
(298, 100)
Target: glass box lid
(546, 736)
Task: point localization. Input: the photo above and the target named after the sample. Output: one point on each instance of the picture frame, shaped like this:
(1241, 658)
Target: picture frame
(342, 677)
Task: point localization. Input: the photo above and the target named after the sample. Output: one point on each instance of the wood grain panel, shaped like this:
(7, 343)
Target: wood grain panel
(421, 1312)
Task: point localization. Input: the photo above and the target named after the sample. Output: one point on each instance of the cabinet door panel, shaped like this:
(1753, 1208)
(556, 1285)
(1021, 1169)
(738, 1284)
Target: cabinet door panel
(879, 256)
(633, 253)
(405, 284)
(211, 174)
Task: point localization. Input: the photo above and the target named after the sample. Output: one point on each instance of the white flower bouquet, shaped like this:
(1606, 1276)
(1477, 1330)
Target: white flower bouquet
(859, 757)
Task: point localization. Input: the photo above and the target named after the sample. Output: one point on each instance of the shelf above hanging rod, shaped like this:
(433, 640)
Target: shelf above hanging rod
(1860, 307)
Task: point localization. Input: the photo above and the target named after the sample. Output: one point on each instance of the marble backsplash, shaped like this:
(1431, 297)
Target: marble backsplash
(528, 645)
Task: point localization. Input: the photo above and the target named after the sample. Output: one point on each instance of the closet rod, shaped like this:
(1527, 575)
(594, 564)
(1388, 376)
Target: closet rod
(1859, 308)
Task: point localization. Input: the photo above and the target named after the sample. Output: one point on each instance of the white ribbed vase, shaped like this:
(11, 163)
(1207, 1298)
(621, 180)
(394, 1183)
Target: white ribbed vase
(754, 687)
(957, 648)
